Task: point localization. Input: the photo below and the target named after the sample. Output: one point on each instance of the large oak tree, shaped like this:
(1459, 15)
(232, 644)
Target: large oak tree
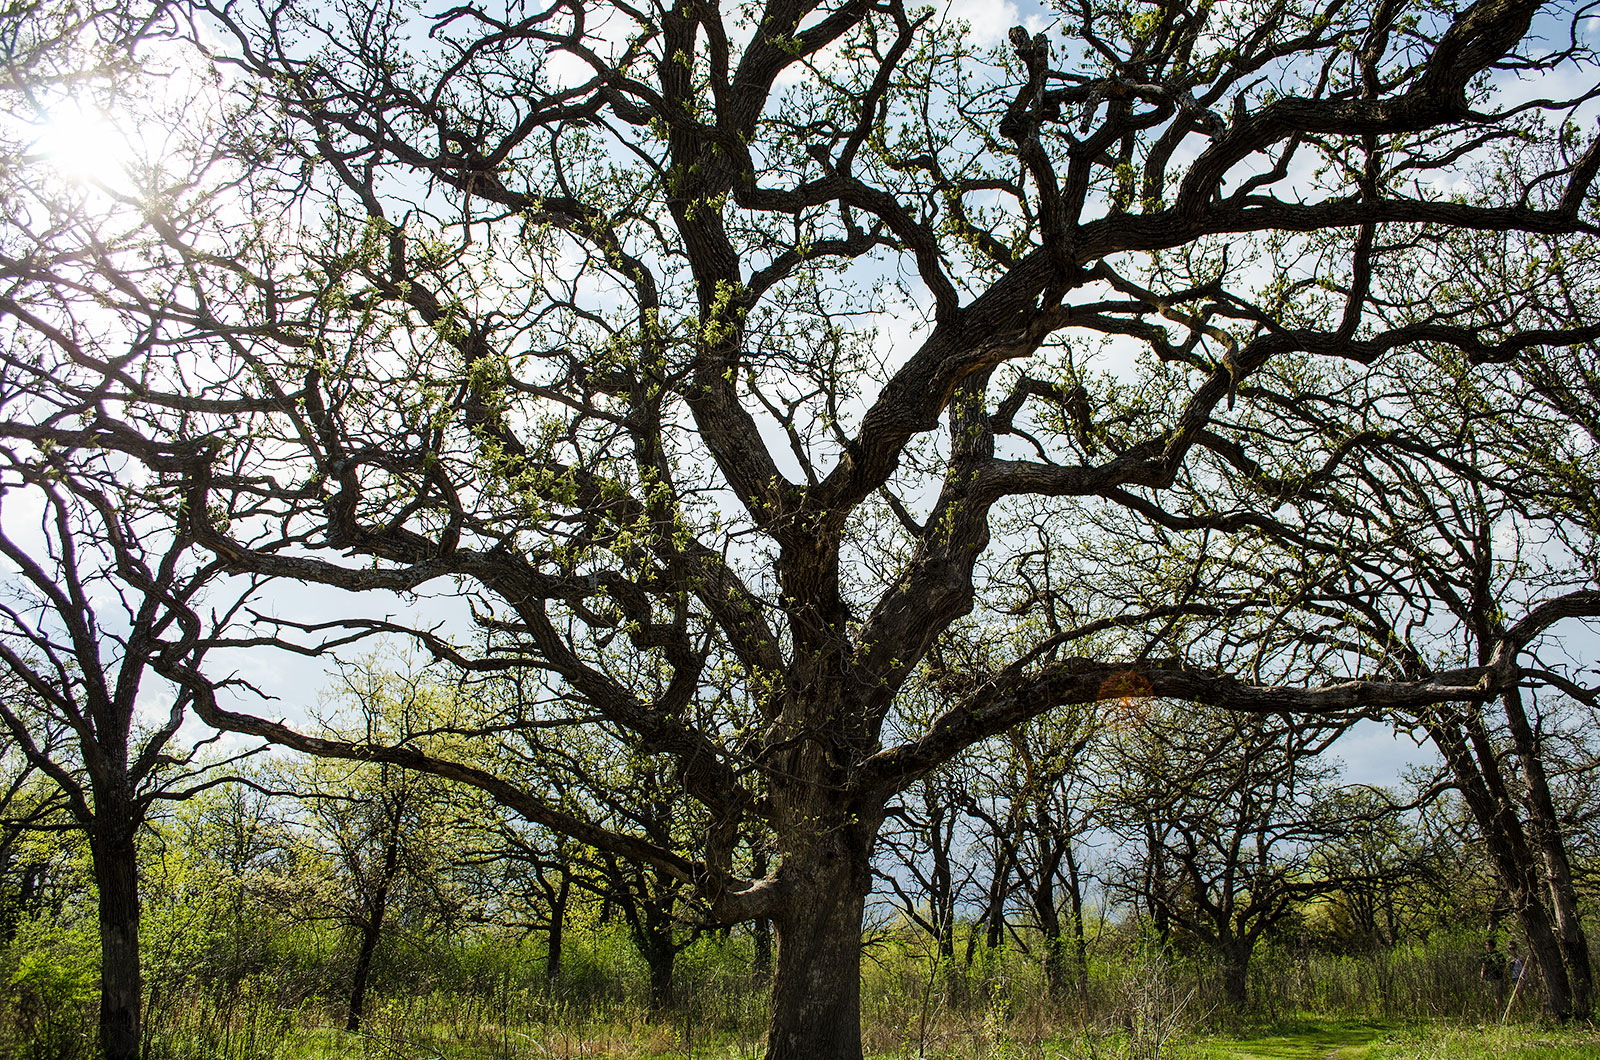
(742, 367)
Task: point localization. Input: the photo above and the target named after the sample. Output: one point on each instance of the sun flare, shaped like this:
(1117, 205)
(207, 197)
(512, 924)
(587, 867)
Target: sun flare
(83, 144)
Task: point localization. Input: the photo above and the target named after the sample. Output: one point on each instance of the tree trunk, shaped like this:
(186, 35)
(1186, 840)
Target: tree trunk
(941, 899)
(1552, 849)
(1049, 850)
(650, 918)
(1080, 940)
(761, 930)
(1235, 954)
(1570, 934)
(659, 957)
(558, 922)
(370, 930)
(995, 912)
(1044, 909)
(116, 875)
(816, 991)
(1155, 888)
(363, 971)
(762, 966)
(993, 917)
(1478, 777)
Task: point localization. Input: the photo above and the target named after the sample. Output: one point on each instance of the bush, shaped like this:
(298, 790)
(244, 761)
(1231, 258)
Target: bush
(50, 999)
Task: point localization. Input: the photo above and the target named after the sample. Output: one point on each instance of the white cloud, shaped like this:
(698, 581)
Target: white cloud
(989, 21)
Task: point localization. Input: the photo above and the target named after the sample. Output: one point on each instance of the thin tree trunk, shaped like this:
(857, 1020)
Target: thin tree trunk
(116, 873)
(1155, 888)
(370, 931)
(941, 900)
(558, 924)
(1080, 941)
(995, 913)
(761, 969)
(1044, 909)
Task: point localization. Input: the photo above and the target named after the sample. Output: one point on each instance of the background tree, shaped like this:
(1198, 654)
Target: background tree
(1032, 804)
(1428, 543)
(381, 844)
(1390, 878)
(216, 885)
(939, 865)
(104, 621)
(103, 596)
(1242, 808)
(524, 877)
(653, 902)
(27, 805)
(924, 846)
(1052, 764)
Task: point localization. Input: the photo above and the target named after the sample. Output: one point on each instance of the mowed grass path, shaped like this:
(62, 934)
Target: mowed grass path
(1361, 1040)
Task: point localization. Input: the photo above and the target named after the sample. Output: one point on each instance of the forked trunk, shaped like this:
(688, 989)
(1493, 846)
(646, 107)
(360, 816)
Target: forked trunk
(1544, 952)
(816, 989)
(1546, 836)
(1571, 937)
(1484, 788)
(116, 874)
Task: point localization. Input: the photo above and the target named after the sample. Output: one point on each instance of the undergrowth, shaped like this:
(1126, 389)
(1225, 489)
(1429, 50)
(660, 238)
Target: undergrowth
(488, 998)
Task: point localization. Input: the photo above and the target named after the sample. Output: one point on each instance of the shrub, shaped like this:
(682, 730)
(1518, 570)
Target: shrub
(48, 1011)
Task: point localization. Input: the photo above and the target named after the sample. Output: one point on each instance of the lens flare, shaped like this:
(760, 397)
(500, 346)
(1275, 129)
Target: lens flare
(83, 145)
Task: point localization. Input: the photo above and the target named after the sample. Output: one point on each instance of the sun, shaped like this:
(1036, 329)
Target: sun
(83, 144)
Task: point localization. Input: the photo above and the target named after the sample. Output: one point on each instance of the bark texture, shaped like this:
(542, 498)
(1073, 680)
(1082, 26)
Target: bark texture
(816, 988)
(116, 872)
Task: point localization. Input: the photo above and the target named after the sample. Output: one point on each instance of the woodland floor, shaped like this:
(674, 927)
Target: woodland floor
(1308, 1039)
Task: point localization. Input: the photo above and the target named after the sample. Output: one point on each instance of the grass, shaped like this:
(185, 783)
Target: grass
(1392, 1040)
(1300, 1040)
(599, 1037)
(1411, 1003)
